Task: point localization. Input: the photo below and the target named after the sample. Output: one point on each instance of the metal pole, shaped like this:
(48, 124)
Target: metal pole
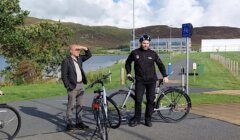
(183, 78)
(133, 25)
(158, 44)
(187, 72)
(170, 45)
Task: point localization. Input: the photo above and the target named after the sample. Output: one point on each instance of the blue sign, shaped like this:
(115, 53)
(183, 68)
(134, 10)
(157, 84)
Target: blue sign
(187, 29)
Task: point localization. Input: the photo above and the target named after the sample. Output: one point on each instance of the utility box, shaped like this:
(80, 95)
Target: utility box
(200, 69)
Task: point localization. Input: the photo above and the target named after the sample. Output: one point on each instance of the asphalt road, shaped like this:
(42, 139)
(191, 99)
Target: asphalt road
(44, 119)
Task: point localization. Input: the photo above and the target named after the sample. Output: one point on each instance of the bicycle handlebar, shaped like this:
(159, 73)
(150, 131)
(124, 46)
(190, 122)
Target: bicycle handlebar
(99, 81)
(160, 81)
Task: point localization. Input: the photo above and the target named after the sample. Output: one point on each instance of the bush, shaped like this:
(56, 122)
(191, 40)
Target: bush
(26, 72)
(93, 75)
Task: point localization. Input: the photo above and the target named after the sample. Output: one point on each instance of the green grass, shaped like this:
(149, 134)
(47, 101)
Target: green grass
(232, 55)
(201, 98)
(42, 90)
(109, 52)
(32, 91)
(215, 75)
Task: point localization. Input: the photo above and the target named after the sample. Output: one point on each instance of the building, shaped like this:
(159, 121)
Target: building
(220, 45)
(163, 44)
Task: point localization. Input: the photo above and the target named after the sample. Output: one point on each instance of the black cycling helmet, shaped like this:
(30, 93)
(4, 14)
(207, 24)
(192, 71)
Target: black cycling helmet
(144, 37)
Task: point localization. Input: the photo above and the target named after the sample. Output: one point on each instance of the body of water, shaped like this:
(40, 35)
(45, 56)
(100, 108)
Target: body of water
(101, 61)
(3, 64)
(94, 63)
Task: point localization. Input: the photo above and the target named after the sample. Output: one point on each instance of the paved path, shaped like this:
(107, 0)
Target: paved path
(227, 92)
(43, 119)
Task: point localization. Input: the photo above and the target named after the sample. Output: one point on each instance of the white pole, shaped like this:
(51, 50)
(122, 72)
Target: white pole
(237, 68)
(110, 77)
(234, 67)
(133, 25)
(158, 44)
(187, 72)
(170, 42)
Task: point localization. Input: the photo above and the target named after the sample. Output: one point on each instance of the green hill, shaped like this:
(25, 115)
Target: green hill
(113, 37)
(94, 36)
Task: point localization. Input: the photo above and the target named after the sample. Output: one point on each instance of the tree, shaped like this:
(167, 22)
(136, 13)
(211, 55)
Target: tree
(39, 45)
(30, 49)
(11, 16)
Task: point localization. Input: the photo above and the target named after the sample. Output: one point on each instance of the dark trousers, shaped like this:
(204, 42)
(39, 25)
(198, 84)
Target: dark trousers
(140, 88)
(75, 97)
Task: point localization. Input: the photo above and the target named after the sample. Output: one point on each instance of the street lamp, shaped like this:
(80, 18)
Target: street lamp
(170, 41)
(133, 26)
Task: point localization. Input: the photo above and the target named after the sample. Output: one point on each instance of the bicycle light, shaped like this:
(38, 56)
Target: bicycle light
(95, 105)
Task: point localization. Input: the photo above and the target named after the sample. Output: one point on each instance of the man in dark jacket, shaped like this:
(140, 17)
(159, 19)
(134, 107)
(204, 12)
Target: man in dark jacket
(145, 76)
(73, 78)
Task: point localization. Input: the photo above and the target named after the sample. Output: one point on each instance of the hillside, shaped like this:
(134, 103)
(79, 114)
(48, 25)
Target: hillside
(113, 37)
(94, 36)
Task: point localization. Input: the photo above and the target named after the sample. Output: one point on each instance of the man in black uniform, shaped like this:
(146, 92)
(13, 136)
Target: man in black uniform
(145, 75)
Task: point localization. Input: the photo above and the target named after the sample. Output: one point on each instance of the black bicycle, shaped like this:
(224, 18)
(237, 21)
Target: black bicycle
(171, 103)
(105, 109)
(10, 122)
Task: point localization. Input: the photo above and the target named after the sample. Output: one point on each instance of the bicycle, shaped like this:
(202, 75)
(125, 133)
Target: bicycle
(171, 103)
(105, 109)
(10, 122)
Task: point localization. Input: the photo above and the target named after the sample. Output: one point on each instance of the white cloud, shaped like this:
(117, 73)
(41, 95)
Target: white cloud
(222, 13)
(147, 12)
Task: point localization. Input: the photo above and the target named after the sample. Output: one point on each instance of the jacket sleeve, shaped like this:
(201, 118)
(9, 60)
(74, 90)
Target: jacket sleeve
(87, 55)
(64, 73)
(129, 62)
(160, 65)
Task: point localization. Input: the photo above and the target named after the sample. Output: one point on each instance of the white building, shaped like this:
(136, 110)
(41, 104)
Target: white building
(220, 45)
(164, 44)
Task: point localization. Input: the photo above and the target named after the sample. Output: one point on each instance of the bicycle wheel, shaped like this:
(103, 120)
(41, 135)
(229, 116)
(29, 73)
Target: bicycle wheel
(119, 97)
(173, 105)
(10, 122)
(114, 116)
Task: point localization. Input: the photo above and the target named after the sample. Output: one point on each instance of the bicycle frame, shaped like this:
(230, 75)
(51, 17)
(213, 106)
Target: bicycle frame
(167, 100)
(103, 92)
(159, 91)
(129, 92)
(105, 101)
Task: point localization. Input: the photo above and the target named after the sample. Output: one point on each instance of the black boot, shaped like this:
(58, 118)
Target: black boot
(134, 122)
(148, 123)
(81, 126)
(70, 127)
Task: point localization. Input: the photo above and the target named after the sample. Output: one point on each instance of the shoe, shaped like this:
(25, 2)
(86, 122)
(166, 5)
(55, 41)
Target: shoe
(70, 127)
(81, 125)
(148, 123)
(134, 122)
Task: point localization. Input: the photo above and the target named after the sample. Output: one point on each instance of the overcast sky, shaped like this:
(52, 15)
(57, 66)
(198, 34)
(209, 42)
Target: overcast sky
(147, 12)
